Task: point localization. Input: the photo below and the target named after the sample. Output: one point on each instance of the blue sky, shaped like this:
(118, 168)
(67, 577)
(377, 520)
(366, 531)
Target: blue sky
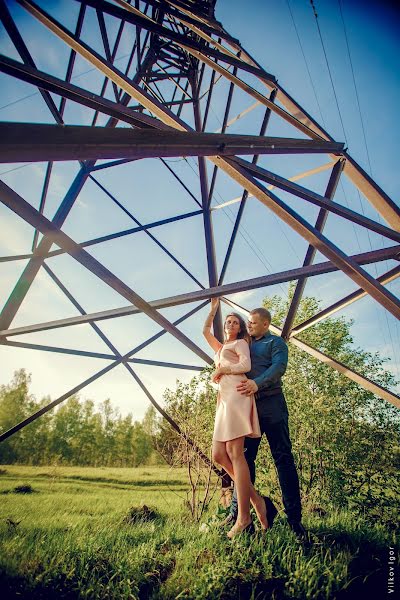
(265, 244)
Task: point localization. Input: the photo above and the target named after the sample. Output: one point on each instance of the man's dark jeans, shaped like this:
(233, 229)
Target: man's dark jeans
(273, 417)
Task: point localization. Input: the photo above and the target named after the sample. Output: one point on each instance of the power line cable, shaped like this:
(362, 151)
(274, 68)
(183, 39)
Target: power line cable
(322, 116)
(355, 86)
(369, 166)
(345, 137)
(328, 67)
(344, 133)
(367, 153)
(305, 61)
(320, 110)
(15, 169)
(72, 78)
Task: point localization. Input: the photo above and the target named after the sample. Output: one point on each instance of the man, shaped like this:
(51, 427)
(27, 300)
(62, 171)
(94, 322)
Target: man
(269, 356)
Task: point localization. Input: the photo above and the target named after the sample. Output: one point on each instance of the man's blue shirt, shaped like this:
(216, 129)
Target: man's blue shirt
(269, 358)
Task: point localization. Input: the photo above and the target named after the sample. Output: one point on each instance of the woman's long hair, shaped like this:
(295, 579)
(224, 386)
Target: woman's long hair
(242, 335)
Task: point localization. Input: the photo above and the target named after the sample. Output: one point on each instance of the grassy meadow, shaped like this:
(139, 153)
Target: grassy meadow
(69, 532)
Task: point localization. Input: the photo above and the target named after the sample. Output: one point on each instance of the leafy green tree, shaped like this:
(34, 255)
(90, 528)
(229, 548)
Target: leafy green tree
(73, 434)
(151, 426)
(66, 430)
(108, 417)
(142, 445)
(16, 404)
(89, 436)
(192, 406)
(344, 437)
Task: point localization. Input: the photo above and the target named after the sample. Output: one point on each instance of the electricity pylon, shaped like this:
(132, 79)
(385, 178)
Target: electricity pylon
(155, 102)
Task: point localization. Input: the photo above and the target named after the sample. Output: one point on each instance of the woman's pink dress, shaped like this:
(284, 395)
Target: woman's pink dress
(236, 414)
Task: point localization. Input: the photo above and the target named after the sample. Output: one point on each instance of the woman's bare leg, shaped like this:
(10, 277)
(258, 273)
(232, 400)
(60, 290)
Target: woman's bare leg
(221, 455)
(235, 451)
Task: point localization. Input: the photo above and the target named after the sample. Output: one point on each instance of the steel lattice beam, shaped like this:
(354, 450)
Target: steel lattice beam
(176, 47)
(26, 142)
(392, 252)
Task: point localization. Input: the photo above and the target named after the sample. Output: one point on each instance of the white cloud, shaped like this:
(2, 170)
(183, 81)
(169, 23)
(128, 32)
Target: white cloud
(243, 298)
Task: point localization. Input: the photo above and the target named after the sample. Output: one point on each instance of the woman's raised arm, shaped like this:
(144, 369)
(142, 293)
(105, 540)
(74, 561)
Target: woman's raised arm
(211, 339)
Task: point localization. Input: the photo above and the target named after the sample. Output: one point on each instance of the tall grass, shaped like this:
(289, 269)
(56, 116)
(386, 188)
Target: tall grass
(73, 537)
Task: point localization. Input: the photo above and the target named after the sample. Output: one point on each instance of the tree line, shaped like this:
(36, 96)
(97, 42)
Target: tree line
(74, 434)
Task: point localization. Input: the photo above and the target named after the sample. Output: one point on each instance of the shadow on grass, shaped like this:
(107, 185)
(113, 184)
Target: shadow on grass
(154, 578)
(17, 587)
(105, 582)
(110, 480)
(101, 484)
(78, 486)
(367, 571)
(21, 489)
(367, 568)
(273, 588)
(63, 588)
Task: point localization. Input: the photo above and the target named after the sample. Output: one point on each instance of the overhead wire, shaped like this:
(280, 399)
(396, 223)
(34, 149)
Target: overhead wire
(305, 61)
(15, 169)
(329, 69)
(370, 172)
(369, 165)
(368, 158)
(323, 122)
(77, 76)
(320, 111)
(355, 86)
(345, 137)
(36, 94)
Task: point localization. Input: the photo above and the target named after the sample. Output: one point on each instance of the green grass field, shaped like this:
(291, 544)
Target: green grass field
(69, 538)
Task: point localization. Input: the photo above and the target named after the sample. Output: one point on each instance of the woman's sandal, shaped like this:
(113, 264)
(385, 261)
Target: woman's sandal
(249, 530)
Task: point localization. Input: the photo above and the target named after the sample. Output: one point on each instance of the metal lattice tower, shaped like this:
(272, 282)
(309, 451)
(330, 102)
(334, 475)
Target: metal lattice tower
(155, 103)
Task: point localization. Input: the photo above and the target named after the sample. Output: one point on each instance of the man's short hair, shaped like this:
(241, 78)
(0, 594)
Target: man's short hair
(263, 312)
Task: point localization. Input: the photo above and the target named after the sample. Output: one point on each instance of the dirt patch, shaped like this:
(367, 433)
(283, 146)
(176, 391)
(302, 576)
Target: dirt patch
(142, 514)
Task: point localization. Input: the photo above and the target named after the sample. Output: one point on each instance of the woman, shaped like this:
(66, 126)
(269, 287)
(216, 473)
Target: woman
(236, 416)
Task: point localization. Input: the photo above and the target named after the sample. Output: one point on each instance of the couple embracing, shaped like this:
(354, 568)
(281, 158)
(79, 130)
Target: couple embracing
(249, 367)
